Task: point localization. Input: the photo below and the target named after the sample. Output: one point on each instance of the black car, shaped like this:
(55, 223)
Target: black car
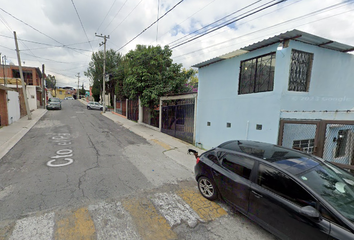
(292, 194)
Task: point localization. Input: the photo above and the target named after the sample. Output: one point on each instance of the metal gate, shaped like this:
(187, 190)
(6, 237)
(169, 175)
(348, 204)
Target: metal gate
(331, 140)
(133, 110)
(178, 118)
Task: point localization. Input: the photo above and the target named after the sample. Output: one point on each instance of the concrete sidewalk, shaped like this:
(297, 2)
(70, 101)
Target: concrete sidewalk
(173, 147)
(10, 135)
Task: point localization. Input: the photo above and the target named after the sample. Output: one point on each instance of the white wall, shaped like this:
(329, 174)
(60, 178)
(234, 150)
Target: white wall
(13, 106)
(32, 97)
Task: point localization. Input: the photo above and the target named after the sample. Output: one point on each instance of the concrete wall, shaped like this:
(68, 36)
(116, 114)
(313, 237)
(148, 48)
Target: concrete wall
(32, 97)
(13, 107)
(331, 88)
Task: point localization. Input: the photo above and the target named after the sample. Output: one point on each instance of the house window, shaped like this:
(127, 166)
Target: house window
(300, 71)
(305, 145)
(257, 74)
(341, 143)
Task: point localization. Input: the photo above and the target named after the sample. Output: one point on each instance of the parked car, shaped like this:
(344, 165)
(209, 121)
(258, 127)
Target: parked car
(54, 103)
(69, 98)
(292, 194)
(95, 105)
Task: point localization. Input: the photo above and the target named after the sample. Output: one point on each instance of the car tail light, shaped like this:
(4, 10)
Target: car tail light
(198, 159)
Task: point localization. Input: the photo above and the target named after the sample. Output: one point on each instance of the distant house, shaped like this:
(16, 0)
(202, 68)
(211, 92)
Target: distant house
(294, 89)
(32, 77)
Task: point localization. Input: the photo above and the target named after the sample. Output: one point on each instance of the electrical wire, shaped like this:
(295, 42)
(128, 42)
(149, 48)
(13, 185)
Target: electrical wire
(276, 25)
(77, 13)
(226, 24)
(126, 17)
(151, 24)
(106, 15)
(210, 24)
(117, 14)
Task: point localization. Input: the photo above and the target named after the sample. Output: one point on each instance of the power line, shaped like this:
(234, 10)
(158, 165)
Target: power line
(190, 16)
(117, 14)
(226, 24)
(151, 24)
(77, 13)
(278, 24)
(210, 24)
(126, 16)
(106, 15)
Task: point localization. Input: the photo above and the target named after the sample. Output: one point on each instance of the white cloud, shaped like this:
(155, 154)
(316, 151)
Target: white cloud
(56, 23)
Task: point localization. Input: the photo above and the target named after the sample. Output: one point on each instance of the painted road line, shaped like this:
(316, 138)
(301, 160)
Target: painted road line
(112, 221)
(77, 225)
(164, 145)
(34, 228)
(150, 224)
(207, 210)
(174, 209)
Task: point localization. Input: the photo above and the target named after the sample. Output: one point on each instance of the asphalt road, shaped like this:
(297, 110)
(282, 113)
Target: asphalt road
(79, 175)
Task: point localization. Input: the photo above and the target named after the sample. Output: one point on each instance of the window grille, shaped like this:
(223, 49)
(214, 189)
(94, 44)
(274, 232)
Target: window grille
(305, 145)
(257, 74)
(341, 143)
(300, 71)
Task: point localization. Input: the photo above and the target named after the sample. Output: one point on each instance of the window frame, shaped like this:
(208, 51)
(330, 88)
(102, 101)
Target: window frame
(254, 79)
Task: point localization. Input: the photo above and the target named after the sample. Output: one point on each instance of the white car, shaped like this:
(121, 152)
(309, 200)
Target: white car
(95, 105)
(69, 98)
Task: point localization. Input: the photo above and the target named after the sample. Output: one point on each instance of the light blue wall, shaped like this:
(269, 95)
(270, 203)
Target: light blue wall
(331, 88)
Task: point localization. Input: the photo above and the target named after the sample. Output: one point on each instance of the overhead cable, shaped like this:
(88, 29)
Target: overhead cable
(151, 24)
(226, 24)
(77, 13)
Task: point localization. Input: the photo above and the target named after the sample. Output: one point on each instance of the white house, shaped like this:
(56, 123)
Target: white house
(294, 89)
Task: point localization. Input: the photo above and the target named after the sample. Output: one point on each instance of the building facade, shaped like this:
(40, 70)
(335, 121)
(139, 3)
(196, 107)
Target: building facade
(294, 89)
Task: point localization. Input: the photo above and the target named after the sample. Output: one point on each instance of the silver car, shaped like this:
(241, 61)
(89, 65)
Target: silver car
(54, 103)
(95, 105)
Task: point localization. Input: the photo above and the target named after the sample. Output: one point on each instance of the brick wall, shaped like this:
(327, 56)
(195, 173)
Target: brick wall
(3, 108)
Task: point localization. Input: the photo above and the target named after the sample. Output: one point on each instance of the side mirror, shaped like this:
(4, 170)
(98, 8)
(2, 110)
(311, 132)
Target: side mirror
(309, 211)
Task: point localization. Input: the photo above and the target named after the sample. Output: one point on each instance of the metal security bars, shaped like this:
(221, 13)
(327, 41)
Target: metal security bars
(300, 71)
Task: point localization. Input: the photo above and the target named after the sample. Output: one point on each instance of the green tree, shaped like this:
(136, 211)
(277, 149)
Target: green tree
(50, 81)
(95, 72)
(151, 74)
(82, 90)
(192, 75)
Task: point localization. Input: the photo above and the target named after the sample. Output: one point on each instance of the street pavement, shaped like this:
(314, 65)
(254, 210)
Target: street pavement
(175, 211)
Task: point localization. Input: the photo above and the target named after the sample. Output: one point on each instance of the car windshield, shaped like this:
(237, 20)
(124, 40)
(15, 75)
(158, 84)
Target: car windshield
(333, 184)
(55, 100)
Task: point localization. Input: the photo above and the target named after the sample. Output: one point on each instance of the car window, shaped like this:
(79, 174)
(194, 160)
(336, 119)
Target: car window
(212, 157)
(240, 165)
(281, 184)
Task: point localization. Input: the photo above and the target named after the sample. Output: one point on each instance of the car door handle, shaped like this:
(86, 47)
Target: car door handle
(257, 195)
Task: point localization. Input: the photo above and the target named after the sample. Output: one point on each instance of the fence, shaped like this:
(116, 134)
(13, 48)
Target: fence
(178, 118)
(331, 140)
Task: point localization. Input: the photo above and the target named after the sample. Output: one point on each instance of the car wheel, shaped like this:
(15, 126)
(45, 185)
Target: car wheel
(207, 188)
(88, 107)
(101, 108)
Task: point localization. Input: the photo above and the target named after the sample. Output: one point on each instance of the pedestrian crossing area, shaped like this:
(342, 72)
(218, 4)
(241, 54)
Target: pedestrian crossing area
(148, 215)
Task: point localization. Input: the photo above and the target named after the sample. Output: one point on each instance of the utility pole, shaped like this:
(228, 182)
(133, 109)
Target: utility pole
(3, 68)
(23, 83)
(43, 88)
(78, 86)
(104, 68)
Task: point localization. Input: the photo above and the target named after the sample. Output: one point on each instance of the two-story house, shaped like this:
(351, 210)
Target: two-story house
(294, 89)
